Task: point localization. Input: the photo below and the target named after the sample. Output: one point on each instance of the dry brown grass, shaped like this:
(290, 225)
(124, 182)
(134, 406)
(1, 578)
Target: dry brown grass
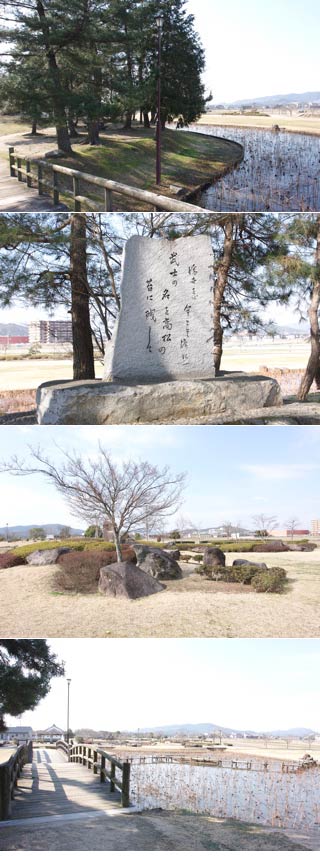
(20, 401)
(30, 607)
(296, 124)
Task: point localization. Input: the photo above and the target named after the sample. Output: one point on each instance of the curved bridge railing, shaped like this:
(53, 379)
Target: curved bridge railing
(9, 774)
(100, 762)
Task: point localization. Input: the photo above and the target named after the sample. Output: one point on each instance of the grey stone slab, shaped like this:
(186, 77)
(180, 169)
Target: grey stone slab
(228, 396)
(164, 330)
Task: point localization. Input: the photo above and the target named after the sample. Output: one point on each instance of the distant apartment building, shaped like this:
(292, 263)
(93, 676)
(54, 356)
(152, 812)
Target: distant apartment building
(289, 533)
(315, 527)
(46, 332)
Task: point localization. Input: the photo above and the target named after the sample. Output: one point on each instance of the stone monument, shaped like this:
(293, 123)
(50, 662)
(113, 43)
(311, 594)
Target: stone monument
(164, 331)
(159, 363)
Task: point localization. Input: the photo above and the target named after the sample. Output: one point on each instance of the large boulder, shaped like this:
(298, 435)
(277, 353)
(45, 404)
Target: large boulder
(174, 554)
(213, 557)
(238, 563)
(270, 547)
(157, 563)
(303, 548)
(47, 557)
(124, 579)
(92, 402)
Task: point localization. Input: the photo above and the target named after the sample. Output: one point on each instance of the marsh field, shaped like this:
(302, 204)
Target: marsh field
(279, 170)
(192, 606)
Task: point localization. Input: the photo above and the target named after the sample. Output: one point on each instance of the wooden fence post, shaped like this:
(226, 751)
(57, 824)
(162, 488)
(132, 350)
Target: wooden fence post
(29, 173)
(11, 161)
(112, 774)
(125, 801)
(76, 191)
(5, 794)
(40, 177)
(55, 188)
(19, 165)
(95, 761)
(108, 200)
(102, 769)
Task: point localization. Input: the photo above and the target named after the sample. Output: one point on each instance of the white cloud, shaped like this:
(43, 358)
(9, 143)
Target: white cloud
(278, 471)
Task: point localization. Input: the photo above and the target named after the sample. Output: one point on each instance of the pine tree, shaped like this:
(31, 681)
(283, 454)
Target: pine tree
(26, 668)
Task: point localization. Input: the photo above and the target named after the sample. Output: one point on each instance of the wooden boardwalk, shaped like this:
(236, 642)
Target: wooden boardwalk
(53, 786)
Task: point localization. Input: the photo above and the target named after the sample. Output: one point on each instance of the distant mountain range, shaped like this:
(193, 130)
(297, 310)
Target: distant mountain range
(196, 729)
(50, 529)
(273, 100)
(14, 330)
(209, 727)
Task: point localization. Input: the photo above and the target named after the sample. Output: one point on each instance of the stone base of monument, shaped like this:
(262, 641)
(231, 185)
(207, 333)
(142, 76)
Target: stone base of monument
(226, 397)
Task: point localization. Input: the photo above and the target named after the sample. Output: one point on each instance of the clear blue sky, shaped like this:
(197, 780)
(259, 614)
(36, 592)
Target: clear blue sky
(260, 685)
(233, 472)
(256, 48)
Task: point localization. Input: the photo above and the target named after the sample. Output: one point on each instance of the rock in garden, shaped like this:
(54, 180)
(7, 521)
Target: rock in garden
(240, 562)
(270, 547)
(157, 563)
(174, 554)
(213, 557)
(124, 579)
(47, 557)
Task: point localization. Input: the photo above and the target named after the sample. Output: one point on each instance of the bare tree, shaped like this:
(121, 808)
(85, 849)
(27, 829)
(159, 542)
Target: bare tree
(264, 522)
(126, 495)
(291, 525)
(228, 528)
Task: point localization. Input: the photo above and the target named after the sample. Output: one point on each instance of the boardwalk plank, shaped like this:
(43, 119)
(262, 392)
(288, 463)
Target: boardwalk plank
(51, 786)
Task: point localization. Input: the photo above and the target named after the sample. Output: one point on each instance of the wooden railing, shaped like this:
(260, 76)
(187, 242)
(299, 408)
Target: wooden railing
(22, 169)
(9, 774)
(96, 760)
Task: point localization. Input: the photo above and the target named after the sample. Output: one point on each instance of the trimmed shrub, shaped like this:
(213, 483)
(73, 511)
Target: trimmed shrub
(79, 572)
(77, 545)
(215, 572)
(243, 573)
(272, 580)
(271, 547)
(11, 560)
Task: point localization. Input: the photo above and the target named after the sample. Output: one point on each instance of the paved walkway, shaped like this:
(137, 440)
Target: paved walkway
(14, 194)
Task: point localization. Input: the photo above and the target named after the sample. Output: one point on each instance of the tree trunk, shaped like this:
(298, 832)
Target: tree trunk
(34, 126)
(146, 120)
(220, 287)
(128, 121)
(312, 371)
(58, 98)
(72, 126)
(93, 132)
(117, 545)
(83, 360)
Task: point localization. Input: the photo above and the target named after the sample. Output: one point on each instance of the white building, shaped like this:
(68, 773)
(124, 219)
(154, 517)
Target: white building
(22, 733)
(50, 735)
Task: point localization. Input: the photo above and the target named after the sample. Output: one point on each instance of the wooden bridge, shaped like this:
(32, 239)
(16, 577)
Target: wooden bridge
(54, 783)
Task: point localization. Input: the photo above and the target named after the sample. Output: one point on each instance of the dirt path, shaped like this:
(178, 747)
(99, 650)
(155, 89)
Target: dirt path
(149, 830)
(190, 608)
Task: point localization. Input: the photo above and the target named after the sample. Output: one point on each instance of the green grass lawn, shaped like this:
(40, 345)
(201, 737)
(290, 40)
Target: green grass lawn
(188, 159)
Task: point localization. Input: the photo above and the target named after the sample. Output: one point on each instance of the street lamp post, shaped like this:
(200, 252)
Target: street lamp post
(159, 22)
(68, 709)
